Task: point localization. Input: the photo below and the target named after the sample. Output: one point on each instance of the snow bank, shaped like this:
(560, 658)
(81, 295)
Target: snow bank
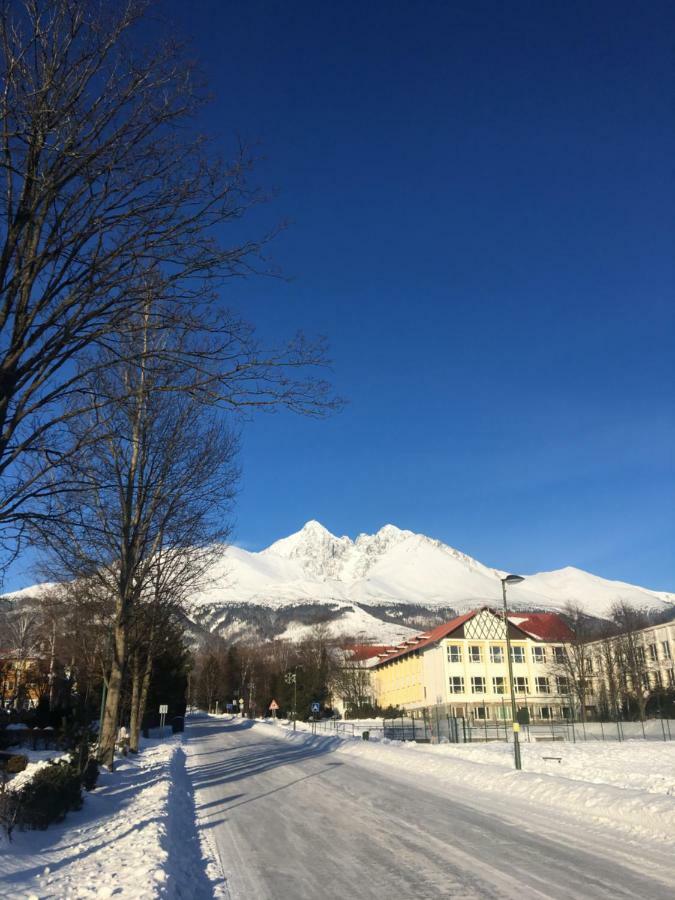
(135, 837)
(628, 785)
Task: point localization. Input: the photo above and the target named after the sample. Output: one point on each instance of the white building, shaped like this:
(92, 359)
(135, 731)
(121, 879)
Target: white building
(462, 665)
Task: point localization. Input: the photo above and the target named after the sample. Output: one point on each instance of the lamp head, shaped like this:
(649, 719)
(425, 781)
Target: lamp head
(513, 579)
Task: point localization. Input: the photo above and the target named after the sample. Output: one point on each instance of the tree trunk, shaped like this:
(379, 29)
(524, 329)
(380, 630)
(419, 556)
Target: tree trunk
(139, 700)
(108, 736)
(134, 725)
(52, 660)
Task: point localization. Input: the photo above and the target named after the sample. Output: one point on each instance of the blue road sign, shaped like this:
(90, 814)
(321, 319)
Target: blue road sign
(316, 707)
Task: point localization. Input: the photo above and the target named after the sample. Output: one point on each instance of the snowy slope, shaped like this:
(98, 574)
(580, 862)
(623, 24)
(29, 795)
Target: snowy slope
(377, 584)
(381, 586)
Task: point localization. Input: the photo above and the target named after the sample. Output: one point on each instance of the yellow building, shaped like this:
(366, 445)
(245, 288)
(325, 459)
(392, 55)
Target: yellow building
(462, 665)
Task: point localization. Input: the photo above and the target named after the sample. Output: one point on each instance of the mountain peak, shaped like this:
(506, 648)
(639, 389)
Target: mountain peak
(314, 527)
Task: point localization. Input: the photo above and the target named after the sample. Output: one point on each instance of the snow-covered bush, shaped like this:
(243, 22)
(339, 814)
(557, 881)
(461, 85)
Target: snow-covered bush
(53, 791)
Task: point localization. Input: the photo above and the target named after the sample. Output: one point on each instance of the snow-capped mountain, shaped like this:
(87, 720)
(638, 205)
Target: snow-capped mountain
(380, 586)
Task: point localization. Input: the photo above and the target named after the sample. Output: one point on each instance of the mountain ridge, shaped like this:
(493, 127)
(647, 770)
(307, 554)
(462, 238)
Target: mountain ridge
(387, 584)
(381, 587)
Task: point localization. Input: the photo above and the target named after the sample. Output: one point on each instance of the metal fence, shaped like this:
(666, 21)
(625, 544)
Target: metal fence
(434, 725)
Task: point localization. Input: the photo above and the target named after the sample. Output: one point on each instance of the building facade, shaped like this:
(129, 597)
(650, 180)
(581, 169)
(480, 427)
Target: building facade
(636, 662)
(462, 666)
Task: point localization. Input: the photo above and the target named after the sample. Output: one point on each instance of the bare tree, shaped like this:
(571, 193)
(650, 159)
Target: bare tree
(351, 682)
(574, 665)
(155, 484)
(21, 642)
(632, 665)
(175, 573)
(105, 193)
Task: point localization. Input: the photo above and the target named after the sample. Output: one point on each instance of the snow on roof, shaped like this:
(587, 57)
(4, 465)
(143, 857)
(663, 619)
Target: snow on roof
(543, 626)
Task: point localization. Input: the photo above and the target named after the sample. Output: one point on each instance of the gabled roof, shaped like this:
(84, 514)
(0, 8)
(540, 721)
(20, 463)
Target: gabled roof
(538, 626)
(429, 637)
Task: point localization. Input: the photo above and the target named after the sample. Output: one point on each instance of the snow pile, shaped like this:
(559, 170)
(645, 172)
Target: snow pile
(628, 785)
(135, 837)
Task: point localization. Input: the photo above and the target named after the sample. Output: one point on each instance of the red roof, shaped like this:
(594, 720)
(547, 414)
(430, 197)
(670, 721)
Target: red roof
(540, 626)
(359, 652)
(432, 637)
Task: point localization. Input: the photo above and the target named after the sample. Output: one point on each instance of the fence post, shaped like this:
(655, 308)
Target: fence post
(602, 731)
(663, 729)
(642, 722)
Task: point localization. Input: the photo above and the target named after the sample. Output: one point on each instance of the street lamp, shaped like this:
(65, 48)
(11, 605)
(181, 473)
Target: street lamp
(511, 579)
(292, 678)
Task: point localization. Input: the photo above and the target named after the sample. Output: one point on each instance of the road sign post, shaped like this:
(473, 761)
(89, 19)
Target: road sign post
(274, 706)
(163, 710)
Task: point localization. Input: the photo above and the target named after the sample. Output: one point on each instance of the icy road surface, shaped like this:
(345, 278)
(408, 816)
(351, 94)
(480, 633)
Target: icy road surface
(290, 820)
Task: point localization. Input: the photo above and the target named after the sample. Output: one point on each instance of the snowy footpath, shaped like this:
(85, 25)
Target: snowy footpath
(134, 837)
(254, 811)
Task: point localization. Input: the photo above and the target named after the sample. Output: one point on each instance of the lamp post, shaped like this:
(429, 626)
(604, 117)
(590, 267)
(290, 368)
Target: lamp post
(511, 579)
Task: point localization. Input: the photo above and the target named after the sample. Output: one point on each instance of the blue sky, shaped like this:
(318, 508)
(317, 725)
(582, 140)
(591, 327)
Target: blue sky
(481, 197)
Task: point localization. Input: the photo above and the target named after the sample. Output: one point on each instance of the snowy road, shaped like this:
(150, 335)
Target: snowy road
(290, 820)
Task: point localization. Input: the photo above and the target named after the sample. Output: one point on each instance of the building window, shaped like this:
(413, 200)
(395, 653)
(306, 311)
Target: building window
(475, 654)
(589, 665)
(671, 677)
(481, 713)
(456, 684)
(640, 653)
(520, 684)
(539, 654)
(518, 654)
(477, 684)
(562, 684)
(542, 685)
(665, 648)
(499, 684)
(559, 654)
(653, 653)
(546, 712)
(496, 654)
(454, 653)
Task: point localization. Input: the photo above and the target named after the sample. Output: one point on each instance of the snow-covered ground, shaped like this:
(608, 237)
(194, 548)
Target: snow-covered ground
(169, 822)
(135, 837)
(629, 785)
(306, 817)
